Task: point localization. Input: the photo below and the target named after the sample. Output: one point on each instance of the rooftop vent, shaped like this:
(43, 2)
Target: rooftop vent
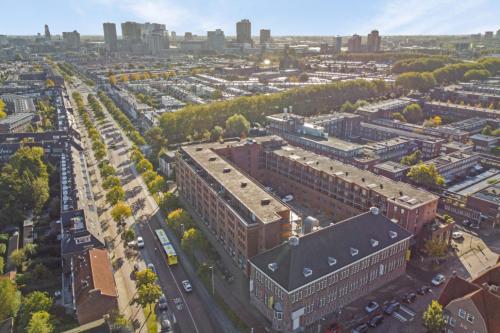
(374, 242)
(307, 272)
(273, 266)
(199, 148)
(347, 173)
(354, 252)
(211, 159)
(363, 179)
(265, 202)
(293, 241)
(226, 170)
(243, 184)
(331, 261)
(393, 234)
(331, 168)
(381, 186)
(374, 210)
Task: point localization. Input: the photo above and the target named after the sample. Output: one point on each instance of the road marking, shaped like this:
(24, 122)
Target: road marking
(407, 310)
(399, 317)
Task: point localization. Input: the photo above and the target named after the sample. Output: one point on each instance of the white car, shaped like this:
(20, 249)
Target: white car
(457, 235)
(140, 242)
(438, 279)
(287, 198)
(187, 286)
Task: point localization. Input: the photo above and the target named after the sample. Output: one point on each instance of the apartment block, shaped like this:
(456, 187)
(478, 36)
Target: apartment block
(383, 109)
(455, 165)
(297, 283)
(458, 111)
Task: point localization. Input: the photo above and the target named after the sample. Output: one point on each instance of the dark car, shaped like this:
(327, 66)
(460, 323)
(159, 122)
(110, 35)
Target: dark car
(409, 298)
(162, 303)
(391, 307)
(424, 290)
(377, 320)
(360, 329)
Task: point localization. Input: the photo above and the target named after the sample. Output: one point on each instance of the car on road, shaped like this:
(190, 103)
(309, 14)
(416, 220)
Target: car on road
(375, 321)
(391, 307)
(187, 286)
(425, 289)
(409, 298)
(268, 188)
(360, 329)
(152, 268)
(457, 235)
(165, 326)
(287, 198)
(140, 242)
(162, 303)
(438, 279)
(371, 307)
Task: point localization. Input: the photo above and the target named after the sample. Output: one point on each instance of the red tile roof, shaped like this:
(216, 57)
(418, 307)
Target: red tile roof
(488, 305)
(102, 274)
(456, 287)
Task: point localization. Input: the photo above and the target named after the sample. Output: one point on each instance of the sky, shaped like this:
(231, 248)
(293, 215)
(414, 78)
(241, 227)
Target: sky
(283, 17)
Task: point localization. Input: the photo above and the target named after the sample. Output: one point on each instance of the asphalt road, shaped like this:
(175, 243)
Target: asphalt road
(192, 317)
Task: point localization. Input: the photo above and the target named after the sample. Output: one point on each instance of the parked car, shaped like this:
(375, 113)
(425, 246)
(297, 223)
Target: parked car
(391, 307)
(438, 279)
(287, 198)
(187, 286)
(140, 242)
(152, 268)
(360, 329)
(377, 320)
(162, 303)
(424, 290)
(371, 307)
(409, 298)
(457, 235)
(165, 326)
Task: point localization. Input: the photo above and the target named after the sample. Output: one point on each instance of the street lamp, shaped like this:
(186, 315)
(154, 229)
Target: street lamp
(213, 286)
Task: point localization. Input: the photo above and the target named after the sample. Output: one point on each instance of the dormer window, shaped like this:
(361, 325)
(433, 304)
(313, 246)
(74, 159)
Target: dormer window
(374, 242)
(354, 252)
(273, 266)
(393, 234)
(331, 261)
(307, 272)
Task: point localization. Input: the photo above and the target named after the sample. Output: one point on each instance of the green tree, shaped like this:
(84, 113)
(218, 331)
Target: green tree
(179, 218)
(348, 107)
(398, 116)
(40, 323)
(17, 257)
(157, 184)
(237, 125)
(476, 75)
(11, 299)
(106, 169)
(416, 81)
(2, 263)
(145, 277)
(128, 235)
(426, 175)
(144, 165)
(436, 249)
(110, 181)
(148, 294)
(413, 113)
(217, 94)
(433, 318)
(120, 211)
(191, 239)
(115, 195)
(30, 249)
(216, 133)
(169, 202)
(155, 138)
(412, 159)
(33, 302)
(487, 130)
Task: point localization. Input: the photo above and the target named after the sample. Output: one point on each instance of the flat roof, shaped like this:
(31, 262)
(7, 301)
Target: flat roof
(251, 195)
(365, 179)
(391, 166)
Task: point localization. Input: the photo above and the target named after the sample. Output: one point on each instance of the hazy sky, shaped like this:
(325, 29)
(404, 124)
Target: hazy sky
(283, 17)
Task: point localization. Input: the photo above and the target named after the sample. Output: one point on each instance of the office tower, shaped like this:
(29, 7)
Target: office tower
(71, 40)
(338, 44)
(188, 36)
(149, 28)
(265, 36)
(47, 32)
(173, 36)
(354, 43)
(216, 41)
(373, 41)
(155, 42)
(110, 38)
(131, 32)
(244, 32)
(488, 35)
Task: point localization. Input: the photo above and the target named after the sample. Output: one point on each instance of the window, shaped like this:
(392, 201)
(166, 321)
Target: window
(278, 315)
(452, 322)
(470, 318)
(461, 313)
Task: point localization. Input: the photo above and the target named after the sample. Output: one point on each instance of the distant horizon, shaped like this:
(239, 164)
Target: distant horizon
(284, 18)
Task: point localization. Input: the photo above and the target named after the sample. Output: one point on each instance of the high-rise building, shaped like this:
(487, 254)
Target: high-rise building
(373, 41)
(488, 35)
(188, 36)
(173, 36)
(265, 36)
(354, 43)
(216, 41)
(110, 38)
(149, 28)
(498, 33)
(244, 32)
(131, 32)
(338, 44)
(47, 32)
(156, 42)
(71, 40)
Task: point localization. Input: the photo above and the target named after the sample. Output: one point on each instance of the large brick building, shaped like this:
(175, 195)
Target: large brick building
(299, 282)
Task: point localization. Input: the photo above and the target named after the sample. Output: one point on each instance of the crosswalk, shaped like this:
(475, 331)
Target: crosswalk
(399, 317)
(409, 314)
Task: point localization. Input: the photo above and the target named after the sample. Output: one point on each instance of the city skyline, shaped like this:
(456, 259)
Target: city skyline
(391, 17)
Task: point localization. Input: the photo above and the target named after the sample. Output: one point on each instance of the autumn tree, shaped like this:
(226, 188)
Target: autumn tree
(114, 195)
(11, 299)
(191, 239)
(179, 218)
(110, 182)
(40, 322)
(120, 212)
(148, 294)
(144, 165)
(436, 249)
(412, 159)
(2, 109)
(145, 277)
(426, 175)
(433, 317)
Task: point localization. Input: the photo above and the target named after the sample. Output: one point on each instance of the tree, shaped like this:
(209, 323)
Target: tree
(112, 80)
(237, 125)
(398, 116)
(128, 235)
(114, 195)
(217, 94)
(110, 181)
(169, 202)
(17, 257)
(144, 165)
(476, 75)
(412, 159)
(49, 83)
(487, 130)
(416, 81)
(191, 239)
(11, 299)
(155, 138)
(348, 107)
(426, 174)
(433, 317)
(40, 323)
(33, 302)
(106, 169)
(216, 133)
(157, 184)
(179, 217)
(30, 249)
(2, 109)
(148, 294)
(413, 113)
(436, 249)
(120, 211)
(145, 277)
(436, 120)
